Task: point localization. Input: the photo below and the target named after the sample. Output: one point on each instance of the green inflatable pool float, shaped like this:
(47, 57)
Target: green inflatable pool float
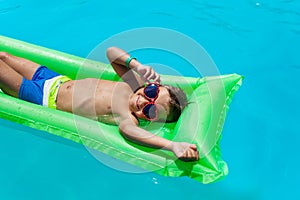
(200, 123)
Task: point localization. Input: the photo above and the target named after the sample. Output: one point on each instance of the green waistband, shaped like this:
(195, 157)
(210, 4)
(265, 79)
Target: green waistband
(54, 90)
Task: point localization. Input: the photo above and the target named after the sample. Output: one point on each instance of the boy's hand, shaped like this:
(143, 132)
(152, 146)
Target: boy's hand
(147, 73)
(185, 151)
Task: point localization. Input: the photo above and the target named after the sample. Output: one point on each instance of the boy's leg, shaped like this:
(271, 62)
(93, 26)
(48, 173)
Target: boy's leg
(10, 80)
(24, 67)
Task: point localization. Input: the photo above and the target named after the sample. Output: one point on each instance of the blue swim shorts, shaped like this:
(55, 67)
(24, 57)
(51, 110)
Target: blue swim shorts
(43, 87)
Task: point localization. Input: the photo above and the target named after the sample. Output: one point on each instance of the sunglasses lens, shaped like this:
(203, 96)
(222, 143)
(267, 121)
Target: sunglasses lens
(150, 111)
(151, 91)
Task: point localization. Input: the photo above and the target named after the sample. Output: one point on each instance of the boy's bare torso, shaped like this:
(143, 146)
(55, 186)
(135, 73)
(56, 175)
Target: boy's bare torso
(93, 98)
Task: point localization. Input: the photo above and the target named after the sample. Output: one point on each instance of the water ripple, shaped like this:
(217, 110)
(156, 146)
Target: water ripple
(215, 20)
(295, 67)
(295, 31)
(164, 14)
(285, 22)
(83, 2)
(9, 9)
(211, 6)
(281, 11)
(287, 1)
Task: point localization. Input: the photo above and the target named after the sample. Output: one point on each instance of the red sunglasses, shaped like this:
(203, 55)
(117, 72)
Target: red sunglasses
(150, 109)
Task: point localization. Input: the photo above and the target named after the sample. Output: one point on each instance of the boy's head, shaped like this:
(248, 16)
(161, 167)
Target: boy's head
(158, 102)
(178, 101)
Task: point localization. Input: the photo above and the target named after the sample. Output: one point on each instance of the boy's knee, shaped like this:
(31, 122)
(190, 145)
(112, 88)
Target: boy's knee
(4, 55)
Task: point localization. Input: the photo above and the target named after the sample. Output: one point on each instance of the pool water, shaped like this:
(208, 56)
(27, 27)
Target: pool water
(258, 39)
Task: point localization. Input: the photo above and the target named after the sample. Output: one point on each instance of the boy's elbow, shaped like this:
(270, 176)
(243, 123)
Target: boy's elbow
(124, 132)
(111, 53)
(125, 129)
(111, 49)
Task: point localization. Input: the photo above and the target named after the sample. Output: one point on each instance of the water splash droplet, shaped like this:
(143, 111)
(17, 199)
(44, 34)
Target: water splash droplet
(154, 180)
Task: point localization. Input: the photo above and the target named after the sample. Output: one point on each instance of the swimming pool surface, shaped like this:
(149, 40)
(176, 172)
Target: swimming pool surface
(258, 39)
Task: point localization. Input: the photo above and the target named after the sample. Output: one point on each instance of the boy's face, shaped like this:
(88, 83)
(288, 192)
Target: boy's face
(138, 101)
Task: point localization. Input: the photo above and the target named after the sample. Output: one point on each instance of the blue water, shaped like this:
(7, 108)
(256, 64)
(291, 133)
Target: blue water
(258, 39)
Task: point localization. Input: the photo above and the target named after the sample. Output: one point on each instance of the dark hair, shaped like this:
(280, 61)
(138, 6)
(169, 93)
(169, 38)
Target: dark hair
(177, 103)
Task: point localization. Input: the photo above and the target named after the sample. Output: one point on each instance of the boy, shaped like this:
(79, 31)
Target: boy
(96, 98)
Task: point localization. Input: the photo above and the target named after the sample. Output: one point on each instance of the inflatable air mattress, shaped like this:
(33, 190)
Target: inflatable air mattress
(200, 123)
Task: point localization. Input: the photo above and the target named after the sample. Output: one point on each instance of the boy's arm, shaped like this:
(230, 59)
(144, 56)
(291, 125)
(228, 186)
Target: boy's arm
(182, 150)
(118, 57)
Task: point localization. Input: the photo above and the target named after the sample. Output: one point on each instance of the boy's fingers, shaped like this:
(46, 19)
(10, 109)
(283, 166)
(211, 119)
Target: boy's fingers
(157, 79)
(146, 74)
(152, 75)
(193, 146)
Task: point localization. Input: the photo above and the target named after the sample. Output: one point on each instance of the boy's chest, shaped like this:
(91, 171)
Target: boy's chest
(113, 100)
